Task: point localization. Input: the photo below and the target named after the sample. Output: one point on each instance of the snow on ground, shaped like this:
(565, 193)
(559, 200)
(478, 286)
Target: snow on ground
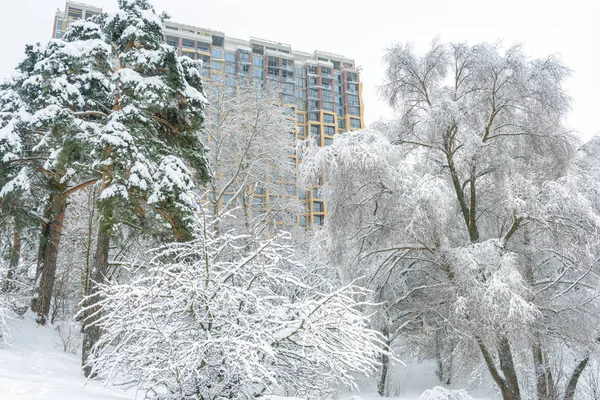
(35, 367)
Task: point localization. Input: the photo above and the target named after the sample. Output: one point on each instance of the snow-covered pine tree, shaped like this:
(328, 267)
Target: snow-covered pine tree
(149, 150)
(50, 109)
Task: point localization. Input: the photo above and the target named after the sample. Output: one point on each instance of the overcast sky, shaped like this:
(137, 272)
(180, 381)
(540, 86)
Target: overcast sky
(363, 29)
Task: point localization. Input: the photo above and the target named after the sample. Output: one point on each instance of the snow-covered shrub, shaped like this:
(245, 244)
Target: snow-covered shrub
(228, 318)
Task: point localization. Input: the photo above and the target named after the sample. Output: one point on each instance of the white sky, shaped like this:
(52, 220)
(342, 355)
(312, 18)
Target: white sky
(363, 29)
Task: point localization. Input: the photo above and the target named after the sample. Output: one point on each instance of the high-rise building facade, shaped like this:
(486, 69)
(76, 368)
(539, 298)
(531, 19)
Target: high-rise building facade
(323, 89)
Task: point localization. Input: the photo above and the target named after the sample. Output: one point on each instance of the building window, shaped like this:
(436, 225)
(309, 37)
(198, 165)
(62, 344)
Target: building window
(353, 110)
(352, 88)
(217, 53)
(353, 100)
(230, 69)
(338, 77)
(300, 118)
(318, 206)
(75, 13)
(287, 99)
(312, 70)
(173, 41)
(204, 47)
(258, 73)
(313, 116)
(319, 220)
(300, 105)
(327, 105)
(355, 123)
(328, 118)
(245, 69)
(326, 95)
(327, 141)
(258, 61)
(288, 88)
(301, 132)
(326, 71)
(245, 57)
(299, 82)
(341, 124)
(218, 41)
(230, 57)
(298, 70)
(315, 130)
(316, 193)
(299, 93)
(302, 220)
(217, 65)
(329, 130)
(188, 44)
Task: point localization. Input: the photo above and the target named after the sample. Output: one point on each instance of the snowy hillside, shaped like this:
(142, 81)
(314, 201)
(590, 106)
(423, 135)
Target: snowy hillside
(35, 367)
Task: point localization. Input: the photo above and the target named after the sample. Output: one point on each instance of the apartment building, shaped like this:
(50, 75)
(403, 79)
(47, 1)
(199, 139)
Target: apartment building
(323, 89)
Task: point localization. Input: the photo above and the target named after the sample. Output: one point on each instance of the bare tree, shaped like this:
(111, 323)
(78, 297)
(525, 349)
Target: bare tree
(251, 140)
(469, 213)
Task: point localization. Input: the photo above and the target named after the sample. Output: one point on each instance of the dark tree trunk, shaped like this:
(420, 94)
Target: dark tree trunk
(48, 273)
(385, 363)
(572, 385)
(92, 332)
(509, 384)
(15, 254)
(511, 381)
(43, 242)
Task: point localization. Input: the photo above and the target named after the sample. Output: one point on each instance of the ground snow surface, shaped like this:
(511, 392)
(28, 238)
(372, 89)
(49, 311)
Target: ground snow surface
(34, 367)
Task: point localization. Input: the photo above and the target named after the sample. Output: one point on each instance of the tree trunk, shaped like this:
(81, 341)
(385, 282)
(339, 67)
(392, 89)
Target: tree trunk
(511, 381)
(543, 374)
(48, 273)
(92, 332)
(509, 385)
(444, 362)
(572, 385)
(44, 237)
(385, 363)
(15, 254)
